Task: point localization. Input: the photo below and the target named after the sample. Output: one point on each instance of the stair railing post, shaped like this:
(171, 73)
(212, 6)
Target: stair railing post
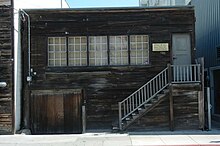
(169, 73)
(170, 97)
(201, 97)
(119, 118)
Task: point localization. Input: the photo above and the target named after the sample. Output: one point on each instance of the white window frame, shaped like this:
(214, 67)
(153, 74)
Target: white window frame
(100, 57)
(144, 49)
(75, 59)
(113, 56)
(54, 51)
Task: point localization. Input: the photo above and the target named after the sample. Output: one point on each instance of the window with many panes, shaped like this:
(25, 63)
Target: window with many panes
(98, 50)
(57, 51)
(139, 49)
(118, 50)
(77, 51)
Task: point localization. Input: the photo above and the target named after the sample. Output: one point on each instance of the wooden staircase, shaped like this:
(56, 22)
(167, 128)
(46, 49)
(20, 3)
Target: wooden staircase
(154, 92)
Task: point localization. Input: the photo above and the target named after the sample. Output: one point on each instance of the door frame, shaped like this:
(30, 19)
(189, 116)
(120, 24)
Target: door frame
(192, 54)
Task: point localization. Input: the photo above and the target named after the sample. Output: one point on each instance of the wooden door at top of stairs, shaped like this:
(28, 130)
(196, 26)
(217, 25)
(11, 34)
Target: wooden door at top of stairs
(56, 112)
(181, 49)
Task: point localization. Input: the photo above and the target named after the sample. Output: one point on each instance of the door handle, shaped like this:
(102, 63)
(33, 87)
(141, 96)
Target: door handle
(174, 57)
(3, 84)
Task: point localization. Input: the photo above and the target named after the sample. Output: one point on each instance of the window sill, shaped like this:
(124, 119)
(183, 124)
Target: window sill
(95, 68)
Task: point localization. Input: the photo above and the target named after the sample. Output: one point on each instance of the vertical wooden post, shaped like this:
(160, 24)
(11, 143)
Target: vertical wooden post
(171, 107)
(201, 98)
(209, 109)
(170, 97)
(119, 116)
(83, 119)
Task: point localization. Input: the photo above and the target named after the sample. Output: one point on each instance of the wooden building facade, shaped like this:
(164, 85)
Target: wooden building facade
(105, 55)
(6, 67)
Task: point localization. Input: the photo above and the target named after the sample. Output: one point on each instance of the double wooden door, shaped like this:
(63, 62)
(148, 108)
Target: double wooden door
(56, 112)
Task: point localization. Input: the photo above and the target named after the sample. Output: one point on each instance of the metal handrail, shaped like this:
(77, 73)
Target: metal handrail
(143, 95)
(186, 73)
(171, 74)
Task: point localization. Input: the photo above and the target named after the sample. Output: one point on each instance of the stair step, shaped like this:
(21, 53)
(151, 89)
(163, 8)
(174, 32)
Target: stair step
(115, 128)
(127, 119)
(154, 100)
(147, 105)
(133, 114)
(159, 95)
(165, 91)
(129, 122)
(134, 117)
(140, 109)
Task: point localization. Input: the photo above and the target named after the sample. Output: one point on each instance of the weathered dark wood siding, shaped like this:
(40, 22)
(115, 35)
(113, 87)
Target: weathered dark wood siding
(185, 107)
(6, 66)
(104, 86)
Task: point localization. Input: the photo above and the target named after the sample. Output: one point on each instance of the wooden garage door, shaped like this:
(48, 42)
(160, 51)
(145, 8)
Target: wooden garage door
(56, 112)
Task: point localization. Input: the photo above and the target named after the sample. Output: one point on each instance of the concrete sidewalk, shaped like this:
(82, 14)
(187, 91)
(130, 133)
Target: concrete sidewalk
(107, 139)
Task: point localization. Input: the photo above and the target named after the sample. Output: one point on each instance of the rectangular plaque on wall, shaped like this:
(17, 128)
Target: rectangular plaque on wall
(160, 47)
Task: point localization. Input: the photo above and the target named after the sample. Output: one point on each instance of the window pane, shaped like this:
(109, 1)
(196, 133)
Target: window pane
(92, 54)
(51, 48)
(77, 47)
(57, 48)
(98, 50)
(77, 51)
(63, 40)
(139, 49)
(51, 62)
(57, 51)
(63, 47)
(83, 40)
(51, 55)
(50, 40)
(71, 47)
(84, 47)
(118, 50)
(84, 55)
(63, 55)
(58, 62)
(63, 62)
(77, 54)
(71, 40)
(71, 55)
(57, 55)
(84, 61)
(77, 40)
(57, 41)
(139, 46)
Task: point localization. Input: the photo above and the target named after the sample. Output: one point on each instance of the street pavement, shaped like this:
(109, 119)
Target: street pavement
(108, 139)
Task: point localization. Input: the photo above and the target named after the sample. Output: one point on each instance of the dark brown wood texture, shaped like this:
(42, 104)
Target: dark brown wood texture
(104, 86)
(185, 112)
(56, 112)
(6, 67)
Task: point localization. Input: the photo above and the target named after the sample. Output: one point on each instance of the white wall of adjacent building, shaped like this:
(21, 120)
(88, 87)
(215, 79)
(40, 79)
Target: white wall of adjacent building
(26, 4)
